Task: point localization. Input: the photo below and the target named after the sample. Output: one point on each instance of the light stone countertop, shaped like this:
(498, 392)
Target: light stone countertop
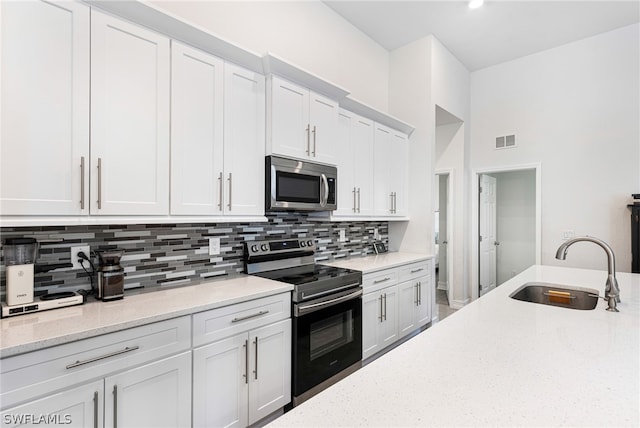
(373, 263)
(501, 362)
(25, 333)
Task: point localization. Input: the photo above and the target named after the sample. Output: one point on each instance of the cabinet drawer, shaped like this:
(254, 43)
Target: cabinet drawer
(379, 280)
(415, 270)
(219, 323)
(41, 372)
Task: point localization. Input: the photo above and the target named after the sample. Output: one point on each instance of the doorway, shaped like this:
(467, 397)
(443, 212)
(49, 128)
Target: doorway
(507, 225)
(442, 233)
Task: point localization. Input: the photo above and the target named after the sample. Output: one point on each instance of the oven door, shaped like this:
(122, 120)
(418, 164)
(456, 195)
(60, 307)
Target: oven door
(327, 338)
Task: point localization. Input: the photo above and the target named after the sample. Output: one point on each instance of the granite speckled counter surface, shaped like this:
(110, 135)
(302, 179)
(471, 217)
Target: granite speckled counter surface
(369, 264)
(501, 362)
(25, 333)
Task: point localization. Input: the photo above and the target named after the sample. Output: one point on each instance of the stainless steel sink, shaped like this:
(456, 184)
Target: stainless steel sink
(557, 295)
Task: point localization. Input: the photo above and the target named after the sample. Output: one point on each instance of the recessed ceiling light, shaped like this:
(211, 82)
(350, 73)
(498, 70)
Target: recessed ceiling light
(474, 4)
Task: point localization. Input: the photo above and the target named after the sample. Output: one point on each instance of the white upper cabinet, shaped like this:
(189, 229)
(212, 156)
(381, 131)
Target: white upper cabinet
(196, 132)
(129, 118)
(45, 108)
(244, 141)
(391, 164)
(217, 136)
(355, 165)
(302, 123)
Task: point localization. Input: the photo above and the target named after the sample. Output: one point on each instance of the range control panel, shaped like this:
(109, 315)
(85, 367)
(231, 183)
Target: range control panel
(284, 246)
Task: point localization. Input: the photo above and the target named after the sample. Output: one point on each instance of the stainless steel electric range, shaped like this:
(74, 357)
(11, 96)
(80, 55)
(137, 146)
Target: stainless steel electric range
(326, 308)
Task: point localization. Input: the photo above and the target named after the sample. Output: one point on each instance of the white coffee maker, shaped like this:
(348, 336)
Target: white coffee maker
(20, 255)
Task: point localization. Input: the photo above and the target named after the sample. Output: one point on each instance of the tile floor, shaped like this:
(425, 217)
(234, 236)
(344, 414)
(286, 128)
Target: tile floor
(442, 303)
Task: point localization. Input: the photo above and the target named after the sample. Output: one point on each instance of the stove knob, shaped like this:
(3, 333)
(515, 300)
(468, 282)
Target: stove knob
(303, 244)
(254, 248)
(310, 243)
(264, 247)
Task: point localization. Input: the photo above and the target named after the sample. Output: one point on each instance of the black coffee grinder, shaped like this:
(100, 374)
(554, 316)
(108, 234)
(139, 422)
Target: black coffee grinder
(110, 275)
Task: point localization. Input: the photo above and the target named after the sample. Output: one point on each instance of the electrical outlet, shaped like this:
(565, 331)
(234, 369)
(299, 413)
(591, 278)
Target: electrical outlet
(74, 256)
(343, 235)
(568, 234)
(214, 246)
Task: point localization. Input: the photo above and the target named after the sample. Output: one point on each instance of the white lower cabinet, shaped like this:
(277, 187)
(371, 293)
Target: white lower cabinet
(240, 379)
(154, 395)
(76, 407)
(140, 377)
(396, 302)
(414, 302)
(379, 320)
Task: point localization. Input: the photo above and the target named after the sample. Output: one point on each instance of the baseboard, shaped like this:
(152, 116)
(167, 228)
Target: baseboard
(459, 304)
(443, 285)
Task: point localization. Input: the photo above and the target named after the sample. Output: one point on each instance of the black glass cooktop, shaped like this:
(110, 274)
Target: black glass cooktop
(308, 274)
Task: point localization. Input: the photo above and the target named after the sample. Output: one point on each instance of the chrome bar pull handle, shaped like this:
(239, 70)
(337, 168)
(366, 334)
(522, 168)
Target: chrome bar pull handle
(354, 200)
(358, 199)
(255, 371)
(220, 187)
(385, 306)
(382, 280)
(230, 179)
(391, 196)
(417, 292)
(246, 361)
(380, 317)
(257, 314)
(115, 406)
(314, 141)
(95, 409)
(82, 183)
(417, 270)
(102, 357)
(99, 183)
(308, 130)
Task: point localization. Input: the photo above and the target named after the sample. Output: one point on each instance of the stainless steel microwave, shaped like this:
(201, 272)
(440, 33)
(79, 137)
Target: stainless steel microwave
(295, 185)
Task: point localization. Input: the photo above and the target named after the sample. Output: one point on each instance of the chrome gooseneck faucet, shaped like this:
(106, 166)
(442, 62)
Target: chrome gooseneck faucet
(611, 291)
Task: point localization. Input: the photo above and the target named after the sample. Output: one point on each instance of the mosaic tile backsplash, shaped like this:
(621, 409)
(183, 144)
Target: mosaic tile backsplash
(172, 255)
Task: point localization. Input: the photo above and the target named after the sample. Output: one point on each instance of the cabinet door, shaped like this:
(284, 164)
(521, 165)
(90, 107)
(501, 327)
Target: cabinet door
(289, 132)
(196, 132)
(154, 395)
(382, 170)
(244, 141)
(129, 118)
(407, 303)
(45, 108)
(269, 369)
(362, 148)
(400, 172)
(220, 383)
(423, 310)
(74, 407)
(323, 120)
(389, 325)
(371, 320)
(346, 192)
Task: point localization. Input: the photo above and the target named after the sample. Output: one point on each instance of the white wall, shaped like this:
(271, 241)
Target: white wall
(575, 109)
(516, 222)
(409, 95)
(306, 33)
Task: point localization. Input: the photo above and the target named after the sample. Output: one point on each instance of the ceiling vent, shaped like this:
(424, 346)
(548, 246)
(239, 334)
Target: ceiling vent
(506, 142)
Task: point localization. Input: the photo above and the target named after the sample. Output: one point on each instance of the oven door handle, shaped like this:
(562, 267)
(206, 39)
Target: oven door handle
(304, 309)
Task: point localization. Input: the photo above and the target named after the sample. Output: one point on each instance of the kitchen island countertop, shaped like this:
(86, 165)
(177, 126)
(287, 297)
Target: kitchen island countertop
(501, 362)
(30, 332)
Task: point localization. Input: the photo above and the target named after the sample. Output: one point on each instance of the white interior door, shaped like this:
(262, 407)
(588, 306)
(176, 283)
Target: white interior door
(487, 226)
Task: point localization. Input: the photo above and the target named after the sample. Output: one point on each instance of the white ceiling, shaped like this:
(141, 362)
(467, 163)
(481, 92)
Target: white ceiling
(498, 31)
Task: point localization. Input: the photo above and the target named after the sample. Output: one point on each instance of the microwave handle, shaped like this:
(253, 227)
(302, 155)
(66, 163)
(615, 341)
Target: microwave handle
(324, 198)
